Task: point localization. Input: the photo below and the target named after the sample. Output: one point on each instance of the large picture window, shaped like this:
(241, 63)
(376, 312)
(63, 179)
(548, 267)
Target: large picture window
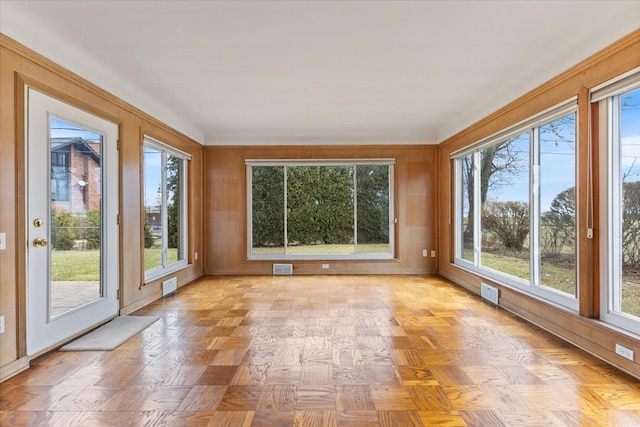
(515, 206)
(322, 209)
(619, 137)
(165, 208)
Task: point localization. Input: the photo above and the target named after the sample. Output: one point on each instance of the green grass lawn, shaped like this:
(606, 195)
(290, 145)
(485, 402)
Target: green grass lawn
(325, 249)
(75, 265)
(85, 265)
(553, 276)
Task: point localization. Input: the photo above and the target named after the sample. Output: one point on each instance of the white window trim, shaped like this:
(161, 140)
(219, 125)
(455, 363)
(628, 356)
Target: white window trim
(167, 268)
(530, 126)
(550, 114)
(608, 98)
(389, 255)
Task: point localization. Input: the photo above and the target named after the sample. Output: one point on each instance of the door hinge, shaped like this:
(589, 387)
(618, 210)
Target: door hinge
(118, 294)
(118, 219)
(118, 145)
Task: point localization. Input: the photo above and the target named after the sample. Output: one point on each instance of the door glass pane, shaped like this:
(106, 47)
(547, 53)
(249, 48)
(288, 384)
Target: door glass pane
(152, 165)
(267, 215)
(76, 216)
(558, 205)
(320, 218)
(629, 291)
(504, 201)
(373, 208)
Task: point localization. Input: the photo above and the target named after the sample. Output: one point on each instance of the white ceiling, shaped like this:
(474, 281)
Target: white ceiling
(318, 72)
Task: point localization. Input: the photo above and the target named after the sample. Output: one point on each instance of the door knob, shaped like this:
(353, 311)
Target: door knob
(39, 243)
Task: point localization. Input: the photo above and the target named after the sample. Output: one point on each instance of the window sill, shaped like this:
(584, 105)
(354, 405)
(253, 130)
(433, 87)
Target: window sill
(520, 285)
(159, 274)
(317, 260)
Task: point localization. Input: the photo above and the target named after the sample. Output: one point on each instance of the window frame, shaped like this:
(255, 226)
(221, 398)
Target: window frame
(166, 267)
(285, 163)
(66, 181)
(532, 285)
(607, 98)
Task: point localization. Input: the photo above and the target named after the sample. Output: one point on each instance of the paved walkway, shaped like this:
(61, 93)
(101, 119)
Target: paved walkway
(68, 295)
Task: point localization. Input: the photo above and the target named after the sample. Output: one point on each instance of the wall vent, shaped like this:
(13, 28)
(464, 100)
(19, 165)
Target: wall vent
(169, 286)
(282, 269)
(489, 293)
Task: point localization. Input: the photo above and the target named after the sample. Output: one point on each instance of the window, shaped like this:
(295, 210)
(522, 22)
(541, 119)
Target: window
(165, 208)
(322, 209)
(619, 140)
(515, 206)
(60, 179)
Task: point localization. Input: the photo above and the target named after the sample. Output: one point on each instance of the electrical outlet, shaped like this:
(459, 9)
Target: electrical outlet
(3, 241)
(1, 324)
(433, 253)
(325, 266)
(625, 352)
(195, 255)
(425, 252)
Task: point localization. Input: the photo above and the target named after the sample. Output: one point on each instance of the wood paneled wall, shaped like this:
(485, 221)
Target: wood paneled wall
(226, 201)
(582, 329)
(20, 66)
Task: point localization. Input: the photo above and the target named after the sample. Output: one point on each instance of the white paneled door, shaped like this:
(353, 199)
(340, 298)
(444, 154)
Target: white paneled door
(72, 224)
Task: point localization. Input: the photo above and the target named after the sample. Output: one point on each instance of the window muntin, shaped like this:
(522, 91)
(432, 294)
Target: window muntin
(165, 210)
(504, 191)
(332, 209)
(620, 146)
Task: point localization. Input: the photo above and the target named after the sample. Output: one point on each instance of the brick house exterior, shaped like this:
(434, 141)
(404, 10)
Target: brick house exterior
(76, 185)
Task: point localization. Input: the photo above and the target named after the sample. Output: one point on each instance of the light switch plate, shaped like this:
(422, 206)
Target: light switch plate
(3, 241)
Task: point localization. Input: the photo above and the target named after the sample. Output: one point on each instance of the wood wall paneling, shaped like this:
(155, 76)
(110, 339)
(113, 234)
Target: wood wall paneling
(8, 211)
(590, 334)
(20, 66)
(226, 201)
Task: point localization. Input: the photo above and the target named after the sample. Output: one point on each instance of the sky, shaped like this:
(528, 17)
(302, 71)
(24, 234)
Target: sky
(630, 135)
(62, 129)
(558, 161)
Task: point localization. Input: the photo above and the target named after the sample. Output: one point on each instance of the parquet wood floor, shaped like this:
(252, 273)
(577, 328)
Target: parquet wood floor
(325, 351)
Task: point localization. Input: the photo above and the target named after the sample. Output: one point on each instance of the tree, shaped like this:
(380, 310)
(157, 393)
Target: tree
(93, 229)
(320, 205)
(631, 224)
(267, 188)
(498, 163)
(373, 203)
(149, 241)
(509, 222)
(558, 225)
(173, 200)
(62, 231)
